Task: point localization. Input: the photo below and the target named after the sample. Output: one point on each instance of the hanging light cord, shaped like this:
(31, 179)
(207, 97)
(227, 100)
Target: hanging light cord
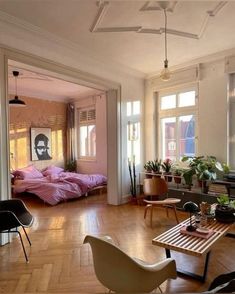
(16, 85)
(165, 34)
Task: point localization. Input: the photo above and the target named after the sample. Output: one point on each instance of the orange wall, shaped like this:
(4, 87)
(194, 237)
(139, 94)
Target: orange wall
(37, 113)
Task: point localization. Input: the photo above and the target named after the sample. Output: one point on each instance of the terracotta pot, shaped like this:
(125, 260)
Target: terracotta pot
(177, 179)
(168, 179)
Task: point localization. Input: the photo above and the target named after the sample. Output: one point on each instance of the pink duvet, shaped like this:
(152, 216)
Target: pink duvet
(57, 188)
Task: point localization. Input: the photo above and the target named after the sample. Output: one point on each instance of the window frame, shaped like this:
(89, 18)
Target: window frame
(86, 124)
(177, 112)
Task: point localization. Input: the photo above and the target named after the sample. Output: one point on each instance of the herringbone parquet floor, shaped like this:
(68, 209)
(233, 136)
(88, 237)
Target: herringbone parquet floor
(60, 263)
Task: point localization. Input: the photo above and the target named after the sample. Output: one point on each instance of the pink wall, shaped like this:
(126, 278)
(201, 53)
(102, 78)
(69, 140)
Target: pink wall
(100, 164)
(37, 113)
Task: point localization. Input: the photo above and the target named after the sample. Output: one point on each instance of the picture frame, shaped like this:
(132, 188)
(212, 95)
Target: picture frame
(40, 139)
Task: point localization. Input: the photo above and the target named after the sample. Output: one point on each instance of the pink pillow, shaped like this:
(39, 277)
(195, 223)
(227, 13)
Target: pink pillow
(28, 172)
(52, 170)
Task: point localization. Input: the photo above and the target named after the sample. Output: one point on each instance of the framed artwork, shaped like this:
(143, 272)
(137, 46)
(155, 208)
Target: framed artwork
(40, 143)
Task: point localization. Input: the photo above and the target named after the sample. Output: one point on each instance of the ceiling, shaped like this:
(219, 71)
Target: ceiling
(37, 83)
(207, 26)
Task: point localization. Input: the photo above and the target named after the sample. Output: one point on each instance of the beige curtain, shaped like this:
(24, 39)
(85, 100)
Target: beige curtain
(70, 133)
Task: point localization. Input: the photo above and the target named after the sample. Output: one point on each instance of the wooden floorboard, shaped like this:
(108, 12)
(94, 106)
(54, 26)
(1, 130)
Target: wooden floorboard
(60, 263)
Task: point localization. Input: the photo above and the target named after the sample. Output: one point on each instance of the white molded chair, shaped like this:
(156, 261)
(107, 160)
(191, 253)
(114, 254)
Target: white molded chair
(118, 272)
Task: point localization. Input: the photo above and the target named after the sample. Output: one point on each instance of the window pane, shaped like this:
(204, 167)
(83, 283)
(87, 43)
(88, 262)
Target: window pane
(187, 99)
(83, 140)
(168, 102)
(168, 126)
(187, 135)
(91, 140)
(128, 108)
(136, 107)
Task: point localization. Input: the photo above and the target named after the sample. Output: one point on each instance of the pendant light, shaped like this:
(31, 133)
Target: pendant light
(16, 101)
(165, 73)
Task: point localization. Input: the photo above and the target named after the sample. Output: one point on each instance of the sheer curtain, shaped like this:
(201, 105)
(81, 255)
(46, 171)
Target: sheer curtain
(70, 132)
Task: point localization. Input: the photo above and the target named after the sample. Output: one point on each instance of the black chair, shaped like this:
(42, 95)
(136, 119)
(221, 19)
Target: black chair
(13, 214)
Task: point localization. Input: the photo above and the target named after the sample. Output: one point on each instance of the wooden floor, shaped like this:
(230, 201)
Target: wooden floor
(59, 263)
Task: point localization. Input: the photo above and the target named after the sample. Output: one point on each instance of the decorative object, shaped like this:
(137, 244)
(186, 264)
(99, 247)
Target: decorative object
(40, 143)
(190, 207)
(165, 74)
(16, 101)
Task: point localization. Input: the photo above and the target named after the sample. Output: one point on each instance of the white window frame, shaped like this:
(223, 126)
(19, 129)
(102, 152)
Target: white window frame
(87, 123)
(177, 112)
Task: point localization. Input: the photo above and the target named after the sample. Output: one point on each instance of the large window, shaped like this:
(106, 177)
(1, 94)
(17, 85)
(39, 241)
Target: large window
(177, 124)
(87, 133)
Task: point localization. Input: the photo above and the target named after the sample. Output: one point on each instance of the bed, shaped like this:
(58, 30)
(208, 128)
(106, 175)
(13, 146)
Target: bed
(54, 185)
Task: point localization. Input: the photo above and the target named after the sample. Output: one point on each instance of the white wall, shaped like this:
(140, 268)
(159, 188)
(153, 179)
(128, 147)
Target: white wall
(212, 107)
(99, 165)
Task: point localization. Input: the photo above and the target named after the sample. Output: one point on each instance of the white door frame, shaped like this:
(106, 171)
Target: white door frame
(71, 75)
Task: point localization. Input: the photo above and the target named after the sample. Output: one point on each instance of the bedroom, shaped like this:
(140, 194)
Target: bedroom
(52, 105)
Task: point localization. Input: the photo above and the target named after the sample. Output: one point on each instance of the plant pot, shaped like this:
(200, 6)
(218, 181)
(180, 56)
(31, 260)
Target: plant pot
(224, 213)
(177, 179)
(157, 174)
(147, 175)
(168, 179)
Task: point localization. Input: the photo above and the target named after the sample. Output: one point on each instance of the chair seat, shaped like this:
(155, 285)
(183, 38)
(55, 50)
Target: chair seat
(163, 202)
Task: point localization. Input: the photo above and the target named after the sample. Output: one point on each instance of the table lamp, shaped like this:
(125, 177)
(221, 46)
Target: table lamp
(190, 207)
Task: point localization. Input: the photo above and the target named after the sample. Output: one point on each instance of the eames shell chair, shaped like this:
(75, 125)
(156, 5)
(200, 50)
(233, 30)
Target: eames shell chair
(14, 214)
(120, 273)
(158, 187)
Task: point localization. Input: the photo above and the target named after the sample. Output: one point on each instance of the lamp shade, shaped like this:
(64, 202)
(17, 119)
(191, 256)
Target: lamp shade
(190, 207)
(17, 102)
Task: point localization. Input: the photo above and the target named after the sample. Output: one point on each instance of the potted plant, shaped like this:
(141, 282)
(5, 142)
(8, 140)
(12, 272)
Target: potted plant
(177, 175)
(225, 210)
(166, 166)
(156, 166)
(148, 169)
(71, 166)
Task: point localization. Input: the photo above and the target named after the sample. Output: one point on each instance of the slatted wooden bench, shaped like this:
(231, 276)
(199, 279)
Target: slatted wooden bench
(192, 245)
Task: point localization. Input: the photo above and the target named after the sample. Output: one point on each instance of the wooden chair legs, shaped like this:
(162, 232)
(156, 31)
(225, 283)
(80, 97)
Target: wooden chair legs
(151, 206)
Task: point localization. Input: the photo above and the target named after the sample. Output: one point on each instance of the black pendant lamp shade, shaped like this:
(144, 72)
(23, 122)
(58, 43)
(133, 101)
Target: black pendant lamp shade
(16, 101)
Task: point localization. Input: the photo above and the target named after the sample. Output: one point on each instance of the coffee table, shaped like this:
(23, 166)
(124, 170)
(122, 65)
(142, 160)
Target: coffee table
(192, 245)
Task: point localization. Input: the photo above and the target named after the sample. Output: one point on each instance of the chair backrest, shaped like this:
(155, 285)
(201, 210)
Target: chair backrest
(155, 186)
(117, 271)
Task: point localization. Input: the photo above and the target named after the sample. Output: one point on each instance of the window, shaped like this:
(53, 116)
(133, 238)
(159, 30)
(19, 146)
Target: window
(177, 124)
(87, 133)
(133, 131)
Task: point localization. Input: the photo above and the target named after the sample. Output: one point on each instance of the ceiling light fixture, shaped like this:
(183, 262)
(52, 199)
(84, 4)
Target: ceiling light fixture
(165, 73)
(16, 101)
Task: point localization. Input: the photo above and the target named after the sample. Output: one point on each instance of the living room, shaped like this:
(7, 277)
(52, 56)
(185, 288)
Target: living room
(113, 52)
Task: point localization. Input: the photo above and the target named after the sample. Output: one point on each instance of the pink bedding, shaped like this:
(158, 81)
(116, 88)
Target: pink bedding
(66, 185)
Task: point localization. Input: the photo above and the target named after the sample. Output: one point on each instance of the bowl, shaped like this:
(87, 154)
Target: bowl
(203, 230)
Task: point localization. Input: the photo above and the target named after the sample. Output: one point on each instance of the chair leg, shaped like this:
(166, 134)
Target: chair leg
(27, 236)
(21, 240)
(146, 209)
(151, 216)
(176, 216)
(167, 213)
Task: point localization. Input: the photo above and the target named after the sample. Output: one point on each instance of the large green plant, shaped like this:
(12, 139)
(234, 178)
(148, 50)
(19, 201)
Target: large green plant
(206, 168)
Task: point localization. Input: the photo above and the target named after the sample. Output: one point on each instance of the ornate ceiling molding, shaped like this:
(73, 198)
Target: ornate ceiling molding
(153, 6)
